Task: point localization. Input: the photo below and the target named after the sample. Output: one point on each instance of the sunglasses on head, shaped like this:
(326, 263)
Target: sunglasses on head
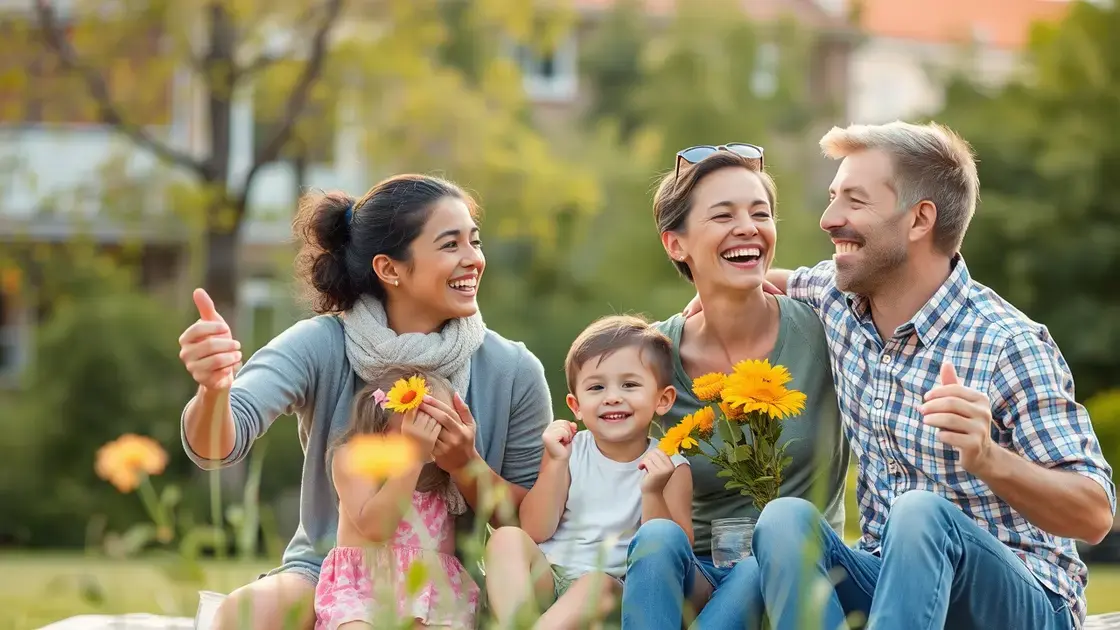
(692, 155)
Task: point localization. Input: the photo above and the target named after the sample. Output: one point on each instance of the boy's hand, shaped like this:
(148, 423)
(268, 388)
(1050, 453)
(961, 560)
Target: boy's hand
(423, 431)
(659, 468)
(557, 438)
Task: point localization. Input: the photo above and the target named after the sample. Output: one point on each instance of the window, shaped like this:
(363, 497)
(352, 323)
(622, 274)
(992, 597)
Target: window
(550, 75)
(263, 313)
(764, 78)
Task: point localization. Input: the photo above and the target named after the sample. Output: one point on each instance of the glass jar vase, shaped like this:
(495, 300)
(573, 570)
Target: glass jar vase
(731, 540)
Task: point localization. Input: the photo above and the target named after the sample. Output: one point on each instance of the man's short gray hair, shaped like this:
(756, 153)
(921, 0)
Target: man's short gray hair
(931, 162)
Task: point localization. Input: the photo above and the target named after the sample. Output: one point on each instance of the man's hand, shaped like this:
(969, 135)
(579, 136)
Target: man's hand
(557, 438)
(659, 468)
(963, 417)
(423, 431)
(694, 306)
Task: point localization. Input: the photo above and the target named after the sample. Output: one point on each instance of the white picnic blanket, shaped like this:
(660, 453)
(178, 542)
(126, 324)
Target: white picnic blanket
(207, 606)
(138, 621)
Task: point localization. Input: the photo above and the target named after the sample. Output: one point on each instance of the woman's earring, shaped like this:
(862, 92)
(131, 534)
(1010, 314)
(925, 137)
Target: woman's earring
(396, 283)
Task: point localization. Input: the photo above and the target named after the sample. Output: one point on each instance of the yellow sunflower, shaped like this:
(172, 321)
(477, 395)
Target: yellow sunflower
(752, 370)
(406, 394)
(679, 437)
(708, 387)
(122, 461)
(776, 402)
(705, 419)
(732, 413)
(376, 457)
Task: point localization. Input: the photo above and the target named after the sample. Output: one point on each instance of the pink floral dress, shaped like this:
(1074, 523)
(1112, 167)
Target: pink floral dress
(356, 583)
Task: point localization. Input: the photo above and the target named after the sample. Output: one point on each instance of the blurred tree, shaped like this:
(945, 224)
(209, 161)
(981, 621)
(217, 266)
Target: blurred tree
(224, 45)
(705, 74)
(374, 75)
(1047, 235)
(611, 62)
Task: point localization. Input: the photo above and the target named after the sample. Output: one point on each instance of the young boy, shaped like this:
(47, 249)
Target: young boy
(596, 487)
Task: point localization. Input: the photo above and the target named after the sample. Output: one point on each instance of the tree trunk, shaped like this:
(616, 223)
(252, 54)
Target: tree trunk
(221, 277)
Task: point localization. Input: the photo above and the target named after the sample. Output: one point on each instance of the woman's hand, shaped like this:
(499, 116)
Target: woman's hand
(423, 431)
(207, 347)
(455, 447)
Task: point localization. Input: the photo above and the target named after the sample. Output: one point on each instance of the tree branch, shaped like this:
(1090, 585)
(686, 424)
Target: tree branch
(297, 99)
(99, 90)
(260, 63)
(264, 60)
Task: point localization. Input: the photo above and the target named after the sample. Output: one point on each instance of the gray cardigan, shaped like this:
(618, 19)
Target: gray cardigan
(304, 371)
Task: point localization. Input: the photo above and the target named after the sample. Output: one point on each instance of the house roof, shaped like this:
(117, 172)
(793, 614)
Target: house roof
(806, 11)
(998, 23)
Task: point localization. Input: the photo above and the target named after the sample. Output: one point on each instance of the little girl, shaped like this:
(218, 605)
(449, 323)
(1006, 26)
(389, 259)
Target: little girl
(384, 529)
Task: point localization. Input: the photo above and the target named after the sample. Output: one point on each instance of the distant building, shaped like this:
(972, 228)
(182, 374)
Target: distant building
(910, 44)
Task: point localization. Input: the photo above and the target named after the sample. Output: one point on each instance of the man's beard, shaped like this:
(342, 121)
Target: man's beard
(873, 271)
(876, 259)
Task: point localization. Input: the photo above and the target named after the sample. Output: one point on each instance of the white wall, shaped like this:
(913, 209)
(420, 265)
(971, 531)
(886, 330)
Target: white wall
(894, 78)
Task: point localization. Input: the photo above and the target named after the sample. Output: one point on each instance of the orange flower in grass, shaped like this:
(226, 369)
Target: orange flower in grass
(122, 461)
(406, 394)
(376, 457)
(708, 387)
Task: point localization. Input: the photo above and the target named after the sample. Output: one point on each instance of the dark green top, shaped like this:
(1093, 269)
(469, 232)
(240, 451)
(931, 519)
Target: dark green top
(820, 452)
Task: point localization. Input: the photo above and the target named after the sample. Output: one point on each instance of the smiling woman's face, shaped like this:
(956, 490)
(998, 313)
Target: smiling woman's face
(446, 264)
(729, 235)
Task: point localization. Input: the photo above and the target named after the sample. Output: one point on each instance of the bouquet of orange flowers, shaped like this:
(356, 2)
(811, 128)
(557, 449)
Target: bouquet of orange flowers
(752, 400)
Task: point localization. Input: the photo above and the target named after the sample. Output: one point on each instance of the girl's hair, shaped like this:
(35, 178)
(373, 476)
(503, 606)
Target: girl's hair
(673, 201)
(339, 236)
(368, 417)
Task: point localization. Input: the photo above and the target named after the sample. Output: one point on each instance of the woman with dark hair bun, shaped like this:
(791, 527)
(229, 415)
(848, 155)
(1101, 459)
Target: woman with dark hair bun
(393, 277)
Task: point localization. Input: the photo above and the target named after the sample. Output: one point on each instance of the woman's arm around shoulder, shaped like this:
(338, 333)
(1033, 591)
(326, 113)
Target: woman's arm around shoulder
(278, 379)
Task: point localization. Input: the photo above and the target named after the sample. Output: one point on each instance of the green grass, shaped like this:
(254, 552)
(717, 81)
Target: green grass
(38, 589)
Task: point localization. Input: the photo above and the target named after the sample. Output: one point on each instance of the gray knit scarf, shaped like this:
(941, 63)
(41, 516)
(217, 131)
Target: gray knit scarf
(372, 346)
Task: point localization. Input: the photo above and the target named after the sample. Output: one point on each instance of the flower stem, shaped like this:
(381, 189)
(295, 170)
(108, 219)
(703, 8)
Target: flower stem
(151, 502)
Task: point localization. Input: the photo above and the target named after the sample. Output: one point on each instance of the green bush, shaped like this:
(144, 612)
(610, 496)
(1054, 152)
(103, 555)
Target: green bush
(105, 363)
(1104, 409)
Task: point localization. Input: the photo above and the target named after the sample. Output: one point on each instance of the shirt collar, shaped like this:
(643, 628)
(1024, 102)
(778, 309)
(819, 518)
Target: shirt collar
(937, 313)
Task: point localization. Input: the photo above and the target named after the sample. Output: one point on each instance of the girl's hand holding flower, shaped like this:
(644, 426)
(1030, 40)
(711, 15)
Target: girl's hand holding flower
(423, 431)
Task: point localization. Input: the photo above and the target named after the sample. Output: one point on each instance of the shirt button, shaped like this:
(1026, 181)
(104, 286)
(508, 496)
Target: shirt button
(878, 403)
(886, 358)
(892, 468)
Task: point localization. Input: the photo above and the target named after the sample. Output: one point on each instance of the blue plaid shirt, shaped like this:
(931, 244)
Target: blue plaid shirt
(994, 349)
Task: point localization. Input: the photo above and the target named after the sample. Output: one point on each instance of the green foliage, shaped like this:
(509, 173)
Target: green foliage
(1047, 234)
(105, 363)
(1104, 409)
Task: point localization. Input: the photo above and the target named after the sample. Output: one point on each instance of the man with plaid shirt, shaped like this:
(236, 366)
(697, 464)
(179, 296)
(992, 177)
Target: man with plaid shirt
(977, 469)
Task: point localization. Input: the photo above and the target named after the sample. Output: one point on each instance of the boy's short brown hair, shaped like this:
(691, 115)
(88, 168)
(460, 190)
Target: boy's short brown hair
(612, 333)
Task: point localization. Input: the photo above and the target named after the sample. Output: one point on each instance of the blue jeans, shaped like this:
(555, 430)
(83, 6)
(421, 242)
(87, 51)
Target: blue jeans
(662, 569)
(938, 569)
